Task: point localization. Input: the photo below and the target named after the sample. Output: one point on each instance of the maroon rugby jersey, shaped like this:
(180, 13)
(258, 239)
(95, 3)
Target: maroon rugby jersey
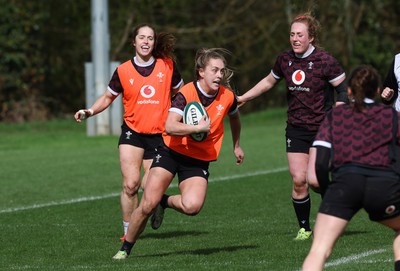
(309, 92)
(358, 138)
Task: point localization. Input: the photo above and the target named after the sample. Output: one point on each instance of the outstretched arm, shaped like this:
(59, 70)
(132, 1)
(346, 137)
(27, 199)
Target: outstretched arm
(234, 121)
(99, 105)
(263, 86)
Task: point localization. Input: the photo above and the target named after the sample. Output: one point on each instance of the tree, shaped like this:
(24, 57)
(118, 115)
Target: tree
(44, 44)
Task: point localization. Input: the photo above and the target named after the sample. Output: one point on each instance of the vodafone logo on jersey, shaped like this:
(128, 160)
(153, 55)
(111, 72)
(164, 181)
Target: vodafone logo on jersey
(298, 77)
(147, 91)
(390, 209)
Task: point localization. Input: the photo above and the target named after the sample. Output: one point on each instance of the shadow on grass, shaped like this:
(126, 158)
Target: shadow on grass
(203, 251)
(171, 234)
(347, 232)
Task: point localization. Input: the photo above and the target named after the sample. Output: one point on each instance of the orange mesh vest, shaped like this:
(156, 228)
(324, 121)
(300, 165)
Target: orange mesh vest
(207, 150)
(146, 99)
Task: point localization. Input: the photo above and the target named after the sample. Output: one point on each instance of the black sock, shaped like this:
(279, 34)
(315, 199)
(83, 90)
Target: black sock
(126, 246)
(164, 201)
(397, 266)
(302, 208)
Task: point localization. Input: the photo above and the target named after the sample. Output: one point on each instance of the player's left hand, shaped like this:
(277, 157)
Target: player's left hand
(239, 154)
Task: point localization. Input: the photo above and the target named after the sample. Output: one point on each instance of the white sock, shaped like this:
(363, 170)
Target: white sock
(126, 224)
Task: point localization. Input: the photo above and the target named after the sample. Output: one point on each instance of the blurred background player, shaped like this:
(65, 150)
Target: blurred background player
(151, 75)
(355, 141)
(310, 75)
(390, 93)
(182, 155)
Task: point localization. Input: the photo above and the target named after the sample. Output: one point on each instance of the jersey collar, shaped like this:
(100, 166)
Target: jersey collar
(306, 54)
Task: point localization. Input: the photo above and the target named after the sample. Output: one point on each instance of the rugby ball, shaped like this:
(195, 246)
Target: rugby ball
(192, 114)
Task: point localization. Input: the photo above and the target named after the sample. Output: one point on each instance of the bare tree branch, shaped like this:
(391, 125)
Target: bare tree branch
(125, 36)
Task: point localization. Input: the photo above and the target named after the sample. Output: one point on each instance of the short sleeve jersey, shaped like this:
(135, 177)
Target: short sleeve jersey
(115, 83)
(146, 93)
(217, 107)
(308, 81)
(358, 138)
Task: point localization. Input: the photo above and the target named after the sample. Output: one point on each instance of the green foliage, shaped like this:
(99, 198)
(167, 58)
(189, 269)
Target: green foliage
(40, 69)
(21, 67)
(44, 44)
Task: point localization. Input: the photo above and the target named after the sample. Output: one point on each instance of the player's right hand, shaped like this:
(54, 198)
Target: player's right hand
(83, 114)
(387, 94)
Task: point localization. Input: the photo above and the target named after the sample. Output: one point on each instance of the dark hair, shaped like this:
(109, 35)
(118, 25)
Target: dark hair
(364, 82)
(164, 43)
(313, 24)
(204, 55)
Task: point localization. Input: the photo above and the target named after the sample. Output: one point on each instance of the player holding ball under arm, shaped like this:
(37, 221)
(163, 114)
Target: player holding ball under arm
(310, 75)
(182, 155)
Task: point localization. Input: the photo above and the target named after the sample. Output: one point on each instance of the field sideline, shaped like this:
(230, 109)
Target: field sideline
(59, 211)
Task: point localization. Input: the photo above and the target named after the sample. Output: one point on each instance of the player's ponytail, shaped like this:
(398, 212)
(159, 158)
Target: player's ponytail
(364, 82)
(164, 46)
(164, 43)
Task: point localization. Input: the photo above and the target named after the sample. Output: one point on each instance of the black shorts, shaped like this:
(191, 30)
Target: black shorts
(148, 142)
(298, 139)
(182, 165)
(348, 193)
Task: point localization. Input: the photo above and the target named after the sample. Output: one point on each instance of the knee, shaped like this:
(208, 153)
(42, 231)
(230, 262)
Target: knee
(148, 207)
(191, 208)
(130, 188)
(300, 185)
(300, 182)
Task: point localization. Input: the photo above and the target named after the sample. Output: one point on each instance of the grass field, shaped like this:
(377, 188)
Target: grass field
(59, 208)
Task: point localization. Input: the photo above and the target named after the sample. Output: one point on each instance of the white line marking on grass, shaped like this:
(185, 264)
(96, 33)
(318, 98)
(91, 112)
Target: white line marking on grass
(355, 257)
(84, 199)
(56, 203)
(352, 258)
(388, 260)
